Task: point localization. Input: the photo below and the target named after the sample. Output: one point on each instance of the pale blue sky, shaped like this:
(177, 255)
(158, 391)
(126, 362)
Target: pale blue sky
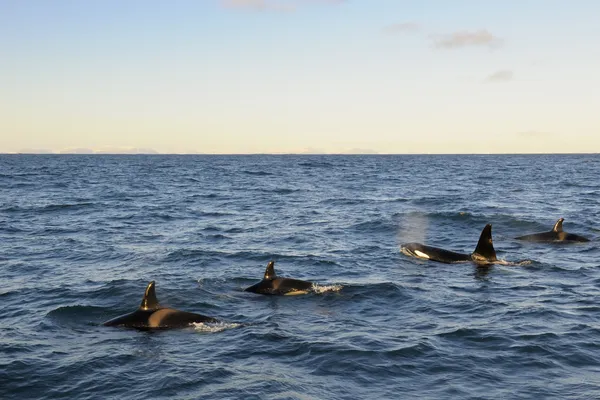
(248, 76)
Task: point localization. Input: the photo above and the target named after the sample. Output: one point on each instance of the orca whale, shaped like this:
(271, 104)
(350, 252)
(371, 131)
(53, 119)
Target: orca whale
(151, 315)
(555, 235)
(272, 284)
(484, 252)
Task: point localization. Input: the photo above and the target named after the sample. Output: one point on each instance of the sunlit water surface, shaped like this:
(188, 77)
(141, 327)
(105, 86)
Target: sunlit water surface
(81, 236)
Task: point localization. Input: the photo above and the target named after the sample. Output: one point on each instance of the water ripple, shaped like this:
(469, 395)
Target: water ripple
(81, 236)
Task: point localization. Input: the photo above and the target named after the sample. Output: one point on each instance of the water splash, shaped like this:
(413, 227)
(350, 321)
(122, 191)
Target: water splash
(513, 263)
(412, 228)
(214, 327)
(326, 288)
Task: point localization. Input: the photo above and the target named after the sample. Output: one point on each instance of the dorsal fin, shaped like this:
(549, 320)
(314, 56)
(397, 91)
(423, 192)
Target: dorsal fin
(270, 271)
(149, 302)
(558, 225)
(485, 247)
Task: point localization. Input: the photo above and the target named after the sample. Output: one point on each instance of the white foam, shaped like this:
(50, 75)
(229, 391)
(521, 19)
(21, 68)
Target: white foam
(511, 263)
(213, 327)
(326, 288)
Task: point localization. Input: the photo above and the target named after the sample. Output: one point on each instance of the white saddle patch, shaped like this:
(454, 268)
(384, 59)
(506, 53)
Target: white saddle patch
(421, 254)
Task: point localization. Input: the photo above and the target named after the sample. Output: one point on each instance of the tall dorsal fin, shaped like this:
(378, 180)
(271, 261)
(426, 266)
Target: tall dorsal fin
(558, 225)
(270, 271)
(485, 247)
(149, 302)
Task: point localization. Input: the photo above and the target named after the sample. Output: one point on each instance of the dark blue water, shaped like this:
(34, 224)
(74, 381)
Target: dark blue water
(81, 236)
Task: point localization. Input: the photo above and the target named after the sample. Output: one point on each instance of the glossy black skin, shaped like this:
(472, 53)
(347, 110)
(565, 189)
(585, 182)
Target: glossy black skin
(167, 318)
(434, 253)
(273, 285)
(151, 315)
(279, 286)
(555, 235)
(484, 252)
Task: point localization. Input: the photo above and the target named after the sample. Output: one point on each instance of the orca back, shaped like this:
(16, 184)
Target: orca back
(424, 252)
(272, 284)
(557, 234)
(151, 315)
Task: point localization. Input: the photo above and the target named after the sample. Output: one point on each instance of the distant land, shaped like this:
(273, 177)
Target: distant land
(135, 150)
(83, 150)
(307, 151)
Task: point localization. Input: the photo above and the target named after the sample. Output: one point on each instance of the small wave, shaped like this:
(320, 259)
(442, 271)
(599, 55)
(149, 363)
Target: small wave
(343, 201)
(212, 214)
(162, 216)
(326, 288)
(358, 291)
(236, 230)
(513, 263)
(74, 311)
(284, 191)
(60, 207)
(258, 173)
(184, 254)
(48, 207)
(316, 164)
(437, 215)
(10, 228)
(217, 237)
(207, 195)
(214, 327)
(461, 333)
(77, 316)
(377, 225)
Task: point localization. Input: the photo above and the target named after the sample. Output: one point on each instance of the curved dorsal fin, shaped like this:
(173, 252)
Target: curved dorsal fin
(558, 225)
(485, 247)
(149, 302)
(270, 271)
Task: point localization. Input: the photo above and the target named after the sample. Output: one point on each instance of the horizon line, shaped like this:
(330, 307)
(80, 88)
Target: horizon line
(290, 154)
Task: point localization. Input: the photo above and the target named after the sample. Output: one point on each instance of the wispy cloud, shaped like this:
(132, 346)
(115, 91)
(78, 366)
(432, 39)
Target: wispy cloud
(325, 1)
(254, 5)
(481, 38)
(403, 27)
(500, 76)
(273, 5)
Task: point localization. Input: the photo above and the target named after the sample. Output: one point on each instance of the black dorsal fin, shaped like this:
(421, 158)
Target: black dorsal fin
(270, 271)
(485, 247)
(558, 225)
(149, 302)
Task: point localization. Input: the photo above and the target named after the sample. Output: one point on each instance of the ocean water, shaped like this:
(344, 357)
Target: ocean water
(81, 236)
